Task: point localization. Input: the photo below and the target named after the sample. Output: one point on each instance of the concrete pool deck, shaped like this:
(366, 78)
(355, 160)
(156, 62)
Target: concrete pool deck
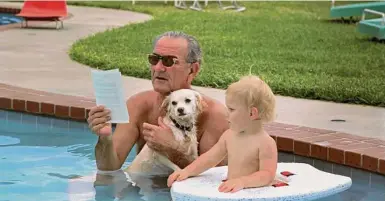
(37, 76)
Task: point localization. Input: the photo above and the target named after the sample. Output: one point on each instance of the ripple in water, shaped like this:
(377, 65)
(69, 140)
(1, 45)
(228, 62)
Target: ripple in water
(72, 176)
(6, 140)
(8, 182)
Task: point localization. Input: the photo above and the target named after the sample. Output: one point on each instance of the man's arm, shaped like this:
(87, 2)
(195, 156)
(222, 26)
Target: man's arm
(268, 157)
(112, 151)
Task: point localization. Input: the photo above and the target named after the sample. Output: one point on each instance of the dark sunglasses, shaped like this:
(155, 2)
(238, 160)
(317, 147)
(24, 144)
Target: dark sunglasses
(167, 61)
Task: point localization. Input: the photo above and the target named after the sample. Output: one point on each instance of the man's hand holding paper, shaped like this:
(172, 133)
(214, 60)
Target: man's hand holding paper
(110, 100)
(98, 121)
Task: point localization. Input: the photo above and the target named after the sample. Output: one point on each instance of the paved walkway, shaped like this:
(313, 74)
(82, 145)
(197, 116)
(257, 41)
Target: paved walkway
(38, 59)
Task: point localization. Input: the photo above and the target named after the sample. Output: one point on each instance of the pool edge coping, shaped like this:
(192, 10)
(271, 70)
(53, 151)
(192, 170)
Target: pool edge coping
(355, 151)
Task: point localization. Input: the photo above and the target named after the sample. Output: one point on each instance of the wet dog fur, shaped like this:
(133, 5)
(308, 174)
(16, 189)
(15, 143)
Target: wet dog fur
(182, 110)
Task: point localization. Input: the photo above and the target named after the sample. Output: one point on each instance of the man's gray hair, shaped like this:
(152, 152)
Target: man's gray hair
(194, 52)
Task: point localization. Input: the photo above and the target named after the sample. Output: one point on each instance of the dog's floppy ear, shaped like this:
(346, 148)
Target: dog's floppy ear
(200, 103)
(165, 103)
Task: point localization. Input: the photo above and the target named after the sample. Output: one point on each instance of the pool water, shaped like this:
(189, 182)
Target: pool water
(6, 19)
(48, 159)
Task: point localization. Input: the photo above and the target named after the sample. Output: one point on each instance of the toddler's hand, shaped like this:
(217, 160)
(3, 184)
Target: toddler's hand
(232, 185)
(178, 175)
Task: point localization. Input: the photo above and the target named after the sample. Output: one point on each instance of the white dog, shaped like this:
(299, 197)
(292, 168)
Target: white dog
(182, 109)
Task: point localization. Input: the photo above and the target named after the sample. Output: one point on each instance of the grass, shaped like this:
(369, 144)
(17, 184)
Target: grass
(291, 45)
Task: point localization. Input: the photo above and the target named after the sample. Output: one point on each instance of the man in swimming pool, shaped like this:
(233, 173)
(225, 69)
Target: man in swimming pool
(252, 152)
(174, 63)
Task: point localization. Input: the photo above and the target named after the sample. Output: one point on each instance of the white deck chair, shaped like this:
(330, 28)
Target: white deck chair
(180, 4)
(196, 6)
(234, 6)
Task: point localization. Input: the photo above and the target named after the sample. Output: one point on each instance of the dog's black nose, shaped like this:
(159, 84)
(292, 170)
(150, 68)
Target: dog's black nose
(180, 110)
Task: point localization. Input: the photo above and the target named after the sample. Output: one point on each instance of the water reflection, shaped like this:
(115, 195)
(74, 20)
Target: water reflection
(119, 185)
(6, 140)
(42, 158)
(28, 130)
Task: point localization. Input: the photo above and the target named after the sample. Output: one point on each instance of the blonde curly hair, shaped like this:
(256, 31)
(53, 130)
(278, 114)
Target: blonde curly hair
(254, 92)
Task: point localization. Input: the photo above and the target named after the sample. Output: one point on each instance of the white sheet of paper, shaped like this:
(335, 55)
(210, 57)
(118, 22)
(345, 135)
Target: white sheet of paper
(108, 89)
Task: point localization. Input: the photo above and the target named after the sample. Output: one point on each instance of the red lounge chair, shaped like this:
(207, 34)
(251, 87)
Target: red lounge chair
(44, 11)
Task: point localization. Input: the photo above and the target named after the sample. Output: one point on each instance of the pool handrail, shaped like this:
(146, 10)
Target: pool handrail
(375, 13)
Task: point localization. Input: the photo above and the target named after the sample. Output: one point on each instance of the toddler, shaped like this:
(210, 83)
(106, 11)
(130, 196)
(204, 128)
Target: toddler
(252, 153)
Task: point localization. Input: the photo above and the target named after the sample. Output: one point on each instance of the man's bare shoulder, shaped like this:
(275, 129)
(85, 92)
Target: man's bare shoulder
(139, 104)
(215, 111)
(214, 118)
(142, 98)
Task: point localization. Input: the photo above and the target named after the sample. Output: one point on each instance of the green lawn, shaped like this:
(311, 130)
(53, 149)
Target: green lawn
(292, 45)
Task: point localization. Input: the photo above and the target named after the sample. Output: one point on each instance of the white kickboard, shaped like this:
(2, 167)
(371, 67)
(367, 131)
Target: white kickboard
(307, 183)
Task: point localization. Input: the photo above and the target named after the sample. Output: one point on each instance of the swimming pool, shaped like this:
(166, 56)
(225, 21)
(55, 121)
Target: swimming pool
(6, 18)
(50, 159)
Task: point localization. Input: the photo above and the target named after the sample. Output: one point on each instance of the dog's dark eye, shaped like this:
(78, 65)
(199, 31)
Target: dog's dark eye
(187, 100)
(173, 102)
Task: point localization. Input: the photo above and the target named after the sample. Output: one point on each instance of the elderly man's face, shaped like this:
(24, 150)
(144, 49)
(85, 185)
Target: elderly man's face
(173, 72)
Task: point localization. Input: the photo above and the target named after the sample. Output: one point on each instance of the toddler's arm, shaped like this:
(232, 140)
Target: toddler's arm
(268, 159)
(205, 161)
(209, 159)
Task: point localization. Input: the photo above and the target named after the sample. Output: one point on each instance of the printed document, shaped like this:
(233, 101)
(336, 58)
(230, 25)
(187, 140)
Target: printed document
(108, 89)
